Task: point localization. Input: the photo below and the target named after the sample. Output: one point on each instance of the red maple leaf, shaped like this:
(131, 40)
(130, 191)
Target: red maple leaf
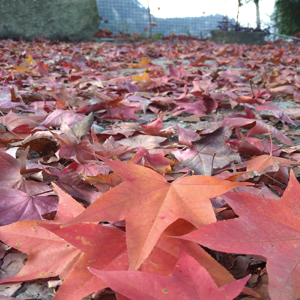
(266, 227)
(189, 281)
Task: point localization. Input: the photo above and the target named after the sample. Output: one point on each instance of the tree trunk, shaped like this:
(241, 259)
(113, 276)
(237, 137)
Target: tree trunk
(150, 21)
(238, 13)
(257, 14)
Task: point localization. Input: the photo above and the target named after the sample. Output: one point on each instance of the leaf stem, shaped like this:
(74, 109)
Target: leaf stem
(42, 193)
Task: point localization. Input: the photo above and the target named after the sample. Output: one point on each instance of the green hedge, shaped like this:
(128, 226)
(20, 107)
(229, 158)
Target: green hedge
(287, 16)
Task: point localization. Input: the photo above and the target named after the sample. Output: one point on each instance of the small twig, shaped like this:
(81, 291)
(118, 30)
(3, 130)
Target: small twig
(212, 164)
(274, 180)
(189, 173)
(253, 95)
(42, 193)
(279, 102)
(270, 140)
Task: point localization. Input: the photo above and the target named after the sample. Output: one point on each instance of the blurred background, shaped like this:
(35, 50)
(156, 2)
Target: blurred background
(188, 17)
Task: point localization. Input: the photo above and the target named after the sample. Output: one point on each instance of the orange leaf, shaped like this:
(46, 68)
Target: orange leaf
(150, 204)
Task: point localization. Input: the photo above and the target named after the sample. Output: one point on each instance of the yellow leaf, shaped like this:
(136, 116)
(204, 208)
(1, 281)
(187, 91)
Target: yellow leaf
(22, 69)
(29, 60)
(145, 62)
(143, 78)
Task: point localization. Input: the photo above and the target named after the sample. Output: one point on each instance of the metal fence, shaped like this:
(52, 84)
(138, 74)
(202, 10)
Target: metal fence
(130, 16)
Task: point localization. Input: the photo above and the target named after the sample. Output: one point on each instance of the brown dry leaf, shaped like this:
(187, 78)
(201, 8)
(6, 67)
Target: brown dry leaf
(212, 152)
(127, 129)
(267, 163)
(294, 113)
(8, 289)
(192, 118)
(12, 264)
(146, 141)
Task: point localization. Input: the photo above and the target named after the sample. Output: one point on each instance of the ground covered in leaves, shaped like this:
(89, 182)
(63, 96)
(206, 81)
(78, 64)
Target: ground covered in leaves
(163, 170)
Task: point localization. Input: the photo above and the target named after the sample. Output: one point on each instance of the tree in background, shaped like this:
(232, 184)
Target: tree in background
(238, 11)
(150, 22)
(256, 2)
(287, 16)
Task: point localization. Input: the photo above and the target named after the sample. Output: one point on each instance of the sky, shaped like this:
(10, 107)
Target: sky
(196, 8)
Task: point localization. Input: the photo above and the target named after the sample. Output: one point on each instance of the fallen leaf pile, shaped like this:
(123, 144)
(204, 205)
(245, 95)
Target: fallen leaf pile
(163, 170)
